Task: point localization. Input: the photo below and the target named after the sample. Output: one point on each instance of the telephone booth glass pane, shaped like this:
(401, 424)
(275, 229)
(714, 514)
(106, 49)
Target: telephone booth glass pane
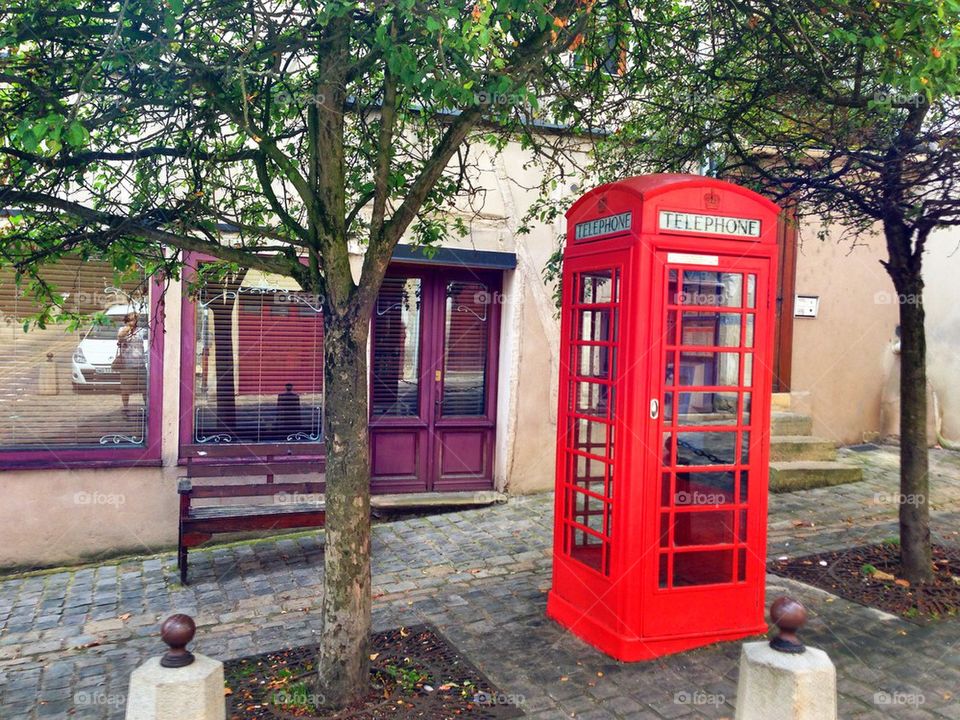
(593, 326)
(709, 327)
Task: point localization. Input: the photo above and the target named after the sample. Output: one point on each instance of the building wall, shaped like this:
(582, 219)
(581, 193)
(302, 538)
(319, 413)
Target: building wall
(941, 268)
(63, 516)
(842, 359)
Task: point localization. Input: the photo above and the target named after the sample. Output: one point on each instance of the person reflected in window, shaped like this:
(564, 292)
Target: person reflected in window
(288, 413)
(131, 361)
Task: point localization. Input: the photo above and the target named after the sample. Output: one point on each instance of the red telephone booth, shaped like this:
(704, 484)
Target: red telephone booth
(663, 429)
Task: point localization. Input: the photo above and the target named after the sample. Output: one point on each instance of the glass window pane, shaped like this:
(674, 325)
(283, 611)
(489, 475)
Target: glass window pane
(664, 529)
(751, 291)
(707, 408)
(467, 335)
(709, 368)
(706, 448)
(711, 328)
(747, 369)
(395, 363)
(63, 388)
(704, 488)
(748, 342)
(671, 331)
(702, 568)
(590, 436)
(593, 399)
(595, 325)
(258, 371)
(744, 486)
(596, 287)
(594, 361)
(586, 548)
(716, 289)
(662, 571)
(746, 408)
(702, 528)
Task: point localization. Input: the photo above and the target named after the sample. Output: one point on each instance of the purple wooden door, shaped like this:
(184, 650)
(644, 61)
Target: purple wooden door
(433, 375)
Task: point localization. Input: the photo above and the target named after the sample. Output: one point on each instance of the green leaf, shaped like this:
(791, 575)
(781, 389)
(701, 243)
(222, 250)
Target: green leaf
(77, 134)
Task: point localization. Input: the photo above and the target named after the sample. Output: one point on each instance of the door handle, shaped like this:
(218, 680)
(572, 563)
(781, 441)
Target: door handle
(654, 409)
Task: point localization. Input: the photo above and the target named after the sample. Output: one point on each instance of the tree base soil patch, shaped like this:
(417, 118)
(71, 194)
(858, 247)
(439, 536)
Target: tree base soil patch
(414, 673)
(871, 575)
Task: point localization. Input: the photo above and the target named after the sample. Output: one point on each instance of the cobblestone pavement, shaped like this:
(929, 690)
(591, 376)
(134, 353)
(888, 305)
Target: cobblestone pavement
(69, 639)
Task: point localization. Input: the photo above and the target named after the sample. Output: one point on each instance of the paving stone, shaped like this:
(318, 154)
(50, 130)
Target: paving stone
(479, 576)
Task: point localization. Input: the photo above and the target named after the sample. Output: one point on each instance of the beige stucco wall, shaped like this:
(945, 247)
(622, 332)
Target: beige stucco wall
(942, 304)
(52, 517)
(842, 359)
(844, 356)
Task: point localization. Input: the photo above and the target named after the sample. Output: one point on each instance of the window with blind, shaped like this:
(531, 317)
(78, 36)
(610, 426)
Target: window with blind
(83, 388)
(258, 366)
(466, 334)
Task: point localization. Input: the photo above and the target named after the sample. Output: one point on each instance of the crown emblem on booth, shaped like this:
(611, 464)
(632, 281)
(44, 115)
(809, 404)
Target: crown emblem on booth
(712, 199)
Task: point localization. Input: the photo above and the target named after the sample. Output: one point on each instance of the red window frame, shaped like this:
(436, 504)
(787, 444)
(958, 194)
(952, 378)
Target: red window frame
(188, 330)
(146, 455)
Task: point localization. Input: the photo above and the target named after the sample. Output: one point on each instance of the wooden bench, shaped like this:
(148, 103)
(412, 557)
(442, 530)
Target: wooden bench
(289, 508)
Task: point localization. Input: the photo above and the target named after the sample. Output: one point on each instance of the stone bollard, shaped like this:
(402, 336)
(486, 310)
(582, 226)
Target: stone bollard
(783, 679)
(179, 685)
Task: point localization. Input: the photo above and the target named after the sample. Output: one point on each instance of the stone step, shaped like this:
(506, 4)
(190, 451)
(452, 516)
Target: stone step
(807, 474)
(801, 447)
(789, 423)
(780, 401)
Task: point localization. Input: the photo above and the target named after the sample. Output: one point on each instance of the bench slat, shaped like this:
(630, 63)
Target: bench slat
(239, 511)
(229, 491)
(302, 467)
(283, 521)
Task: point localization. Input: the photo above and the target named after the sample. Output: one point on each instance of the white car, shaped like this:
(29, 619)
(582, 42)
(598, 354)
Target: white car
(92, 366)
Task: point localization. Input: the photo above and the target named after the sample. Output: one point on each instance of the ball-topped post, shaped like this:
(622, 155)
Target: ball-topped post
(789, 616)
(177, 631)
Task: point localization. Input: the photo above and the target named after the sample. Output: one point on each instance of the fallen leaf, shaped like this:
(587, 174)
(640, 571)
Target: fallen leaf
(227, 691)
(881, 575)
(125, 616)
(901, 582)
(374, 656)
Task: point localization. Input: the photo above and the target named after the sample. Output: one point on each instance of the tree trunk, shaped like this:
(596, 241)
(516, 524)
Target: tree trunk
(915, 551)
(344, 646)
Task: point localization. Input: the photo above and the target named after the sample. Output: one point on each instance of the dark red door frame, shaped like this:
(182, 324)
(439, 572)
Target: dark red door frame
(786, 290)
(407, 453)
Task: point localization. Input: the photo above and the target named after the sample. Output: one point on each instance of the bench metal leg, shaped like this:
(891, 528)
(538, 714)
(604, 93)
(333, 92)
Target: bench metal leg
(182, 563)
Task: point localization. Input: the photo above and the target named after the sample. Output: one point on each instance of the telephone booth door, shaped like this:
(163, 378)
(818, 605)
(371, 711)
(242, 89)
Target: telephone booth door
(708, 516)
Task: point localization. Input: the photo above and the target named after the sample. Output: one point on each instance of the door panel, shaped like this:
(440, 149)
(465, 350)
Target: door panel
(705, 512)
(433, 381)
